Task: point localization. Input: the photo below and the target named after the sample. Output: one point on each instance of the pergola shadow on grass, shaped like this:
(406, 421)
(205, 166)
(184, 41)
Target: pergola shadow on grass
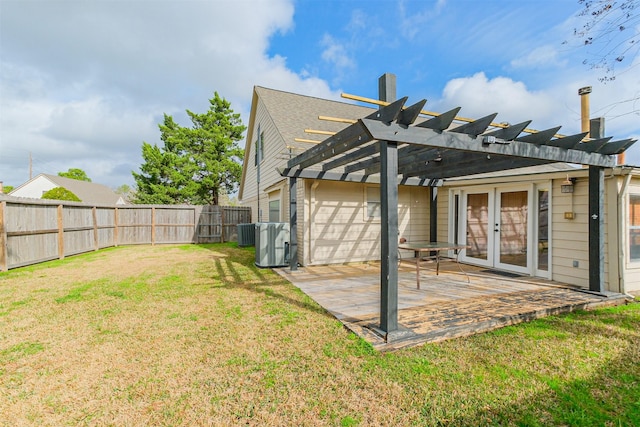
(263, 282)
(392, 147)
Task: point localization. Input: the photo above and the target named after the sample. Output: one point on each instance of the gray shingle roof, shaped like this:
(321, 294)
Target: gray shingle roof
(293, 113)
(88, 192)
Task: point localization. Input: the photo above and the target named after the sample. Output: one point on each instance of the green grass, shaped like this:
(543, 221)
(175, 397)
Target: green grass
(197, 335)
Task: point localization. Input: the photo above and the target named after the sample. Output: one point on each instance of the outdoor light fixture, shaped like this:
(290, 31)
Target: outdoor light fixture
(488, 139)
(567, 185)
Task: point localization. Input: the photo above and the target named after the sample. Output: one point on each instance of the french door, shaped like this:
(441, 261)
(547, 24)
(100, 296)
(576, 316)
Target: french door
(504, 228)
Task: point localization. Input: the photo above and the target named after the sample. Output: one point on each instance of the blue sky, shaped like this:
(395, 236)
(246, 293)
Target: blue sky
(84, 83)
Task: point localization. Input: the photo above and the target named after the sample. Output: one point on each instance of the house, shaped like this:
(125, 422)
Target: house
(532, 210)
(87, 192)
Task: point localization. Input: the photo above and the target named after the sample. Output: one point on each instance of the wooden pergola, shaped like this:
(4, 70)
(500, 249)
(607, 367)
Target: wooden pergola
(392, 148)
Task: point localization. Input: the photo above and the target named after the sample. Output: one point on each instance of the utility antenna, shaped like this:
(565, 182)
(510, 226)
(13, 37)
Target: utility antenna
(30, 166)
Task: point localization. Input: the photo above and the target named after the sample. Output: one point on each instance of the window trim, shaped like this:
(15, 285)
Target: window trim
(279, 212)
(635, 261)
(367, 201)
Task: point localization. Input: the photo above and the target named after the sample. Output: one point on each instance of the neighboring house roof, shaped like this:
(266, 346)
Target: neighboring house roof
(88, 192)
(292, 114)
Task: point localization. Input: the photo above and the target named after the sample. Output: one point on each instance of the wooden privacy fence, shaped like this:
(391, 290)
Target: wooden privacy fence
(33, 231)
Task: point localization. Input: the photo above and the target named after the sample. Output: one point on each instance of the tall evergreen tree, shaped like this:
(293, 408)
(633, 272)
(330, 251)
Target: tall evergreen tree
(195, 165)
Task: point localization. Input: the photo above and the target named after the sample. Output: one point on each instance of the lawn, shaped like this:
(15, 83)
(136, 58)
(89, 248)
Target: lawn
(197, 335)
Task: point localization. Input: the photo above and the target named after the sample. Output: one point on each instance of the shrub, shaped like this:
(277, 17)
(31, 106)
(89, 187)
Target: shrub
(60, 193)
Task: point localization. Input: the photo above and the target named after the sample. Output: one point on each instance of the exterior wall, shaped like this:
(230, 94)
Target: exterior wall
(274, 149)
(570, 241)
(443, 216)
(34, 189)
(337, 229)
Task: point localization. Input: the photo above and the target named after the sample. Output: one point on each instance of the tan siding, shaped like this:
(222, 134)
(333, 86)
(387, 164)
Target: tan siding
(340, 231)
(632, 278)
(274, 148)
(443, 215)
(570, 236)
(611, 242)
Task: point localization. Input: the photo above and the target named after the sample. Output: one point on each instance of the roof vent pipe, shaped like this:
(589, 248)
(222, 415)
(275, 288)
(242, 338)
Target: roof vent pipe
(584, 107)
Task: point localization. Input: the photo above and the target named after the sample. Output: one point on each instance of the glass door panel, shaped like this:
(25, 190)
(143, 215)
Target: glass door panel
(512, 228)
(543, 230)
(477, 220)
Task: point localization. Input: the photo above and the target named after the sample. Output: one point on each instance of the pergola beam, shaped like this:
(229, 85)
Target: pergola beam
(348, 138)
(456, 141)
(509, 133)
(474, 165)
(616, 147)
(350, 177)
(360, 153)
(540, 138)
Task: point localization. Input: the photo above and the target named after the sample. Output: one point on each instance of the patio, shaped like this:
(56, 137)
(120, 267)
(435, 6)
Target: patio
(446, 306)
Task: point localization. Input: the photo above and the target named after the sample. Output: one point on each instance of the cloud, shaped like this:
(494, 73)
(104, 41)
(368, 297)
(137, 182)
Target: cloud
(84, 83)
(335, 53)
(479, 96)
(540, 57)
(412, 22)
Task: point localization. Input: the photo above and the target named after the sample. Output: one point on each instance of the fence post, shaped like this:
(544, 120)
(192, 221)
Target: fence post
(96, 242)
(222, 208)
(115, 227)
(60, 233)
(153, 225)
(3, 237)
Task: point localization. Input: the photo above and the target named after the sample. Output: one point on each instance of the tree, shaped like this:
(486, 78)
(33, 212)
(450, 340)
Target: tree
(195, 165)
(60, 193)
(610, 34)
(7, 188)
(125, 191)
(75, 173)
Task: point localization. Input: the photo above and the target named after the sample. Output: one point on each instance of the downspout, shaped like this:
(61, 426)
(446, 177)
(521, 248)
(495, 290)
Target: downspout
(311, 219)
(621, 234)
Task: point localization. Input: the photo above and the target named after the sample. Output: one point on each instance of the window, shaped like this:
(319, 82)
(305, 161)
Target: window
(373, 202)
(274, 210)
(634, 227)
(543, 229)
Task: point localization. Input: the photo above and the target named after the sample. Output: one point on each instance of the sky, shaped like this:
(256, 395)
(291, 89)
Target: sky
(84, 83)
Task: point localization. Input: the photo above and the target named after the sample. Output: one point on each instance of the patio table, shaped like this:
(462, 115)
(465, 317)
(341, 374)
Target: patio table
(419, 247)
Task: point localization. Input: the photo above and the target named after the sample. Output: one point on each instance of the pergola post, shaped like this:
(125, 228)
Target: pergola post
(293, 224)
(433, 214)
(389, 237)
(596, 229)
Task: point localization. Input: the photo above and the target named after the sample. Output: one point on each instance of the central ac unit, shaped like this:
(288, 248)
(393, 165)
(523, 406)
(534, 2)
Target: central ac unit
(246, 234)
(272, 244)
